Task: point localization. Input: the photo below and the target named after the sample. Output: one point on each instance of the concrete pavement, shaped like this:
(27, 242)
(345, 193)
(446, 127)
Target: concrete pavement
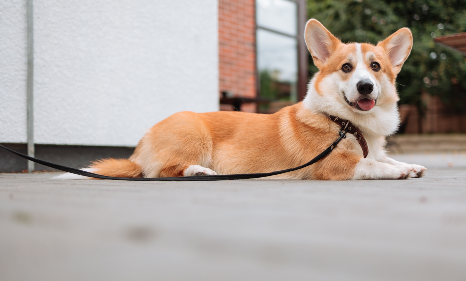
(236, 230)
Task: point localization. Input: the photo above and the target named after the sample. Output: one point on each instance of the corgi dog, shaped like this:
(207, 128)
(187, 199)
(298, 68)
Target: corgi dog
(355, 82)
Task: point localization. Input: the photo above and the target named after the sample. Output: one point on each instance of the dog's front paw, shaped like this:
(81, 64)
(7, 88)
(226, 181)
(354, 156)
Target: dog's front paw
(196, 170)
(417, 170)
(394, 172)
(371, 169)
(405, 172)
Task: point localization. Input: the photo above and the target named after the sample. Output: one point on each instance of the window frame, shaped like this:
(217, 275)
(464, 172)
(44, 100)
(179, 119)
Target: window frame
(302, 53)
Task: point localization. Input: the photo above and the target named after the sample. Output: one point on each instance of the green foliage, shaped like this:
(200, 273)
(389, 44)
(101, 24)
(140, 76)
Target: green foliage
(430, 68)
(267, 85)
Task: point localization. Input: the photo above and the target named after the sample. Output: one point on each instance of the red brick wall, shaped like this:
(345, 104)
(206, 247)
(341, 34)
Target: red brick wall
(237, 57)
(438, 118)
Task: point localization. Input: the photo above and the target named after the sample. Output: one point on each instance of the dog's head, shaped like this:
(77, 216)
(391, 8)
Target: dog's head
(355, 79)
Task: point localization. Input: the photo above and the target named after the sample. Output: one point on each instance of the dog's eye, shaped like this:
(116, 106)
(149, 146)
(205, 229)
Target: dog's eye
(346, 68)
(375, 66)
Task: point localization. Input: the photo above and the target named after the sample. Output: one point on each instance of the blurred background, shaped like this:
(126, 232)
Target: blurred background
(103, 72)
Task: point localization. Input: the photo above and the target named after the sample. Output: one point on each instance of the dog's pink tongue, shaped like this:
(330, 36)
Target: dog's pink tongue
(366, 104)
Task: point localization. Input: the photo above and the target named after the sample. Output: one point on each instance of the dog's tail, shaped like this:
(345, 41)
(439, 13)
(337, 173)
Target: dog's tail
(123, 168)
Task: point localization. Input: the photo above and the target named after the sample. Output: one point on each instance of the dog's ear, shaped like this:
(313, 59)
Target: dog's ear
(320, 42)
(398, 47)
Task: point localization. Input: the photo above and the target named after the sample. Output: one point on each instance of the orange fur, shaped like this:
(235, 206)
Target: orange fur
(237, 142)
(117, 168)
(344, 53)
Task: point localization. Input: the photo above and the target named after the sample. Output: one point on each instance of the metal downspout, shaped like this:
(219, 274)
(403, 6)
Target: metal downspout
(30, 84)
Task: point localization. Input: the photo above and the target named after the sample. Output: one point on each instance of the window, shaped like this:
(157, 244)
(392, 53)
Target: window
(281, 53)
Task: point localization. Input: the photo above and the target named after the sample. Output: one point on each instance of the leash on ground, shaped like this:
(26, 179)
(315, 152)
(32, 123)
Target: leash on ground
(322, 155)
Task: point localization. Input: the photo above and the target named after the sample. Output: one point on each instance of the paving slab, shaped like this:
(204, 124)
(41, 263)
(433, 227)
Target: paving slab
(411, 229)
(434, 160)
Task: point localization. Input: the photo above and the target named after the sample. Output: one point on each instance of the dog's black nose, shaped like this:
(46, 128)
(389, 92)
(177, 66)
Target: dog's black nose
(365, 87)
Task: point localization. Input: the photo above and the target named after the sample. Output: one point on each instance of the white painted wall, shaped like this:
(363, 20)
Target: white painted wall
(13, 63)
(106, 70)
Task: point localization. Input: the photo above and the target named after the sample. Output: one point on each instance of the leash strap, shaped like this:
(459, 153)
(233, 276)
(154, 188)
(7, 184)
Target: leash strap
(191, 178)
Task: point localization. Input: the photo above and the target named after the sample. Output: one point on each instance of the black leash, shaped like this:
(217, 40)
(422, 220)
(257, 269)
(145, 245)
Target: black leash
(191, 178)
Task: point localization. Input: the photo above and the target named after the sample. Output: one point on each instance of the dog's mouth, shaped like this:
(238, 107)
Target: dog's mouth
(362, 104)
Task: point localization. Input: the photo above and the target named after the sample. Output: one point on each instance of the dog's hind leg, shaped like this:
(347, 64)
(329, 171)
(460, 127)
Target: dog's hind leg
(183, 170)
(196, 170)
(178, 146)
